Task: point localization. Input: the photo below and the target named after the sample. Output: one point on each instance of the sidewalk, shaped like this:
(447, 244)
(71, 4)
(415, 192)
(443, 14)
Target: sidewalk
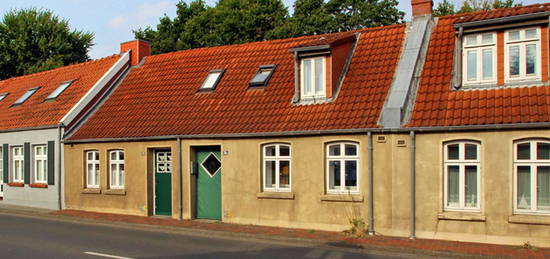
(417, 246)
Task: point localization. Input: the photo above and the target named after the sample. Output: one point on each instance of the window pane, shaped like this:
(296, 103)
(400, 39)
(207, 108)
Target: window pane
(471, 152)
(319, 76)
(121, 155)
(453, 186)
(530, 59)
(334, 175)
(543, 150)
(531, 34)
(524, 187)
(452, 152)
(513, 35)
(270, 151)
(113, 155)
(284, 174)
(543, 188)
(210, 80)
(89, 175)
(351, 150)
(307, 76)
(487, 64)
(351, 174)
(270, 174)
(334, 150)
(471, 40)
(284, 151)
(96, 155)
(514, 60)
(524, 151)
(472, 65)
(471, 186)
(487, 38)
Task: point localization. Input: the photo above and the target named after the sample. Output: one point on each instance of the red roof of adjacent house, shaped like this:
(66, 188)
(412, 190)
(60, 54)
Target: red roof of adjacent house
(36, 112)
(439, 105)
(160, 97)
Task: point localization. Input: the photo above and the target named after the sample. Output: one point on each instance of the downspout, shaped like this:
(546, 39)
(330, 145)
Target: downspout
(180, 179)
(60, 167)
(370, 227)
(413, 185)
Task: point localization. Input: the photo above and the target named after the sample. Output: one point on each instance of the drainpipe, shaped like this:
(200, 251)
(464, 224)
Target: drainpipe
(60, 167)
(413, 185)
(180, 179)
(370, 227)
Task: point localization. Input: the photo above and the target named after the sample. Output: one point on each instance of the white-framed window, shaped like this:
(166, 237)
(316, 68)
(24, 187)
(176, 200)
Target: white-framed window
(479, 59)
(116, 169)
(462, 175)
(313, 78)
(532, 176)
(276, 167)
(1, 165)
(40, 164)
(342, 163)
(92, 169)
(18, 159)
(522, 54)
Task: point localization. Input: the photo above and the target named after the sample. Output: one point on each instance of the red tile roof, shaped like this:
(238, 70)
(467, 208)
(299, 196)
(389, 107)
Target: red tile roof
(37, 113)
(438, 105)
(160, 97)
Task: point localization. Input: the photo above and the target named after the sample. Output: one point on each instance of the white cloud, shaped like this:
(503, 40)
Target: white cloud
(143, 15)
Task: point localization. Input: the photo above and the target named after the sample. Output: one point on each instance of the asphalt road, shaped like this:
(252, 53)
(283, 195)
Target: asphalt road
(33, 237)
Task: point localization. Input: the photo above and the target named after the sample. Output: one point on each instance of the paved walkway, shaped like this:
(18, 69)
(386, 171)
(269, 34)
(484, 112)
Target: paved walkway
(421, 246)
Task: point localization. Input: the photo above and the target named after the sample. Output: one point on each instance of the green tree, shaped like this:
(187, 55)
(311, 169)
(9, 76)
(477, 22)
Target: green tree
(356, 14)
(444, 8)
(34, 40)
(310, 17)
(447, 8)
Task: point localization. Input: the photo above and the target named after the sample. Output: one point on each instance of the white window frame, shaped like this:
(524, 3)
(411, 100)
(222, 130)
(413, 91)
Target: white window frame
(343, 189)
(522, 43)
(277, 159)
(116, 178)
(313, 94)
(479, 48)
(1, 165)
(461, 162)
(95, 163)
(21, 159)
(43, 158)
(533, 162)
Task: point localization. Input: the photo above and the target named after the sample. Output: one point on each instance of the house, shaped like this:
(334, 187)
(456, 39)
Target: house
(36, 111)
(437, 128)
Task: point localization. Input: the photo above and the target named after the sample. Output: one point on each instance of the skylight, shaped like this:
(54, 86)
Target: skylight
(59, 90)
(26, 96)
(212, 80)
(3, 96)
(262, 76)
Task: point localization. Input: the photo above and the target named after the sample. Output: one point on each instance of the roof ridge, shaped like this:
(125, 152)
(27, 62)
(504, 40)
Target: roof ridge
(450, 16)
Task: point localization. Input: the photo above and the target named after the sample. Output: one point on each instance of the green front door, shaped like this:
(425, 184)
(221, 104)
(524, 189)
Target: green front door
(163, 182)
(209, 195)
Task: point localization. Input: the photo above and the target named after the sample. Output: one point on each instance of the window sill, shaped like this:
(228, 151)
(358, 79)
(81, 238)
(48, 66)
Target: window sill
(114, 192)
(16, 184)
(91, 191)
(342, 197)
(276, 195)
(461, 216)
(530, 219)
(38, 185)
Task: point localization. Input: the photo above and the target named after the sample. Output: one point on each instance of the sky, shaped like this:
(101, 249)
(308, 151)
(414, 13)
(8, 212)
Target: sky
(112, 21)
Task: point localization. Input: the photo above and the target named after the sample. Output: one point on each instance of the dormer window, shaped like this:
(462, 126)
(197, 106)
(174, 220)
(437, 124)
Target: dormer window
(25, 96)
(59, 90)
(262, 76)
(212, 80)
(522, 54)
(479, 59)
(313, 78)
(3, 96)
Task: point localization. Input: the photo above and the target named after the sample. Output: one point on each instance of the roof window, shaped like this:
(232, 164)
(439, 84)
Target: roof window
(59, 90)
(212, 80)
(262, 76)
(25, 96)
(3, 96)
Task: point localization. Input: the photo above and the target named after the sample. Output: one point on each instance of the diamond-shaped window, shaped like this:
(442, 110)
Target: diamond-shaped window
(211, 164)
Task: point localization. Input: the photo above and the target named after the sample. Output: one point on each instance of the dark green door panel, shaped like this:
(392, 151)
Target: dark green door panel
(209, 197)
(163, 182)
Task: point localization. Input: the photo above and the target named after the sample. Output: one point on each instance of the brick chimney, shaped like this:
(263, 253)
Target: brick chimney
(139, 48)
(421, 7)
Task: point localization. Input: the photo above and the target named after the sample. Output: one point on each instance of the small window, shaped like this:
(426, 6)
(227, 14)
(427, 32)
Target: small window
(17, 165)
(313, 78)
(522, 55)
(116, 169)
(92, 169)
(1, 166)
(262, 76)
(59, 90)
(276, 168)
(342, 168)
(40, 164)
(479, 59)
(532, 176)
(3, 96)
(461, 168)
(25, 96)
(212, 80)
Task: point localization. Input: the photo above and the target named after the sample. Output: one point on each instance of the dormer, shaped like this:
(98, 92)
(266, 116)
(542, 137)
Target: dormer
(320, 67)
(501, 52)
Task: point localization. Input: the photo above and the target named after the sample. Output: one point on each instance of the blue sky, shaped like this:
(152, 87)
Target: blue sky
(112, 21)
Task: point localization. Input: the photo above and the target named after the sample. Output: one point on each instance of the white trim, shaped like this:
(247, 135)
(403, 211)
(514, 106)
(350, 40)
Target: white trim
(532, 163)
(342, 158)
(94, 90)
(461, 163)
(96, 172)
(479, 47)
(204, 168)
(522, 43)
(1, 165)
(21, 159)
(40, 158)
(277, 158)
(313, 94)
(116, 178)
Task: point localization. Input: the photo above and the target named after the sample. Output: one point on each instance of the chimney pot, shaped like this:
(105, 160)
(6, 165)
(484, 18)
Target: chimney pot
(139, 48)
(421, 7)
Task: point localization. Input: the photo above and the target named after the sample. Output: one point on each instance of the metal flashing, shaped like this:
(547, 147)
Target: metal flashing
(500, 20)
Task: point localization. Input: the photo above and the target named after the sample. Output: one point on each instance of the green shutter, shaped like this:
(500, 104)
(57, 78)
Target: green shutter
(51, 162)
(27, 162)
(6, 154)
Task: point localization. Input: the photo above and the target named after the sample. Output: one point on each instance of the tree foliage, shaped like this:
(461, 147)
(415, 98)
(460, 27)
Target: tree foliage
(447, 8)
(240, 21)
(34, 40)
